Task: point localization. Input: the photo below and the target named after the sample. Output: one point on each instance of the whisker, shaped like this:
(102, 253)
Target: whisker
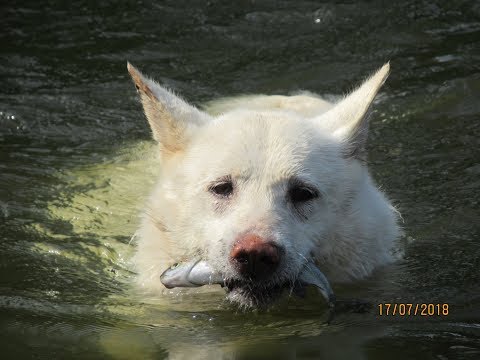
(159, 224)
(307, 265)
(132, 238)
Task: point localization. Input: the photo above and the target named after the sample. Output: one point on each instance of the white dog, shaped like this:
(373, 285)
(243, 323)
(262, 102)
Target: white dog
(256, 191)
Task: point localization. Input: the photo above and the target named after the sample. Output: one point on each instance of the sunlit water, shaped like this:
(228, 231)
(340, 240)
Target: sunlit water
(76, 162)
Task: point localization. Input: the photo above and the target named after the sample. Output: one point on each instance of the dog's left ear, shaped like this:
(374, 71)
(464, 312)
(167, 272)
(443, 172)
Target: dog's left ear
(348, 119)
(172, 120)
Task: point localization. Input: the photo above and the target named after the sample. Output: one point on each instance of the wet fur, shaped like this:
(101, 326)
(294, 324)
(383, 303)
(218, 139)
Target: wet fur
(264, 143)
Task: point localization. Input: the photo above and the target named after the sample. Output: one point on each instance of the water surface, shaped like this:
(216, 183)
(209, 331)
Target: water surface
(76, 162)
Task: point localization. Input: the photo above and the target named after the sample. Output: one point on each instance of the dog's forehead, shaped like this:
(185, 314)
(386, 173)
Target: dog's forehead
(272, 144)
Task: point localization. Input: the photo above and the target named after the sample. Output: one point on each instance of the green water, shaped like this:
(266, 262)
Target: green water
(76, 162)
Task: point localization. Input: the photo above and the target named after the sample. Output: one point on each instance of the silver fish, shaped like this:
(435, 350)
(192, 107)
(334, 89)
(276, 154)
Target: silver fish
(190, 274)
(197, 273)
(311, 274)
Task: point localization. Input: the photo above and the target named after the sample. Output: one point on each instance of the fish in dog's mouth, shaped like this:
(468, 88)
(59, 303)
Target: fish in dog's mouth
(247, 293)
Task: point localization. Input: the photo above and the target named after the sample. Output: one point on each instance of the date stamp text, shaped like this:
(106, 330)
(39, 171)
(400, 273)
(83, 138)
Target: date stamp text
(412, 309)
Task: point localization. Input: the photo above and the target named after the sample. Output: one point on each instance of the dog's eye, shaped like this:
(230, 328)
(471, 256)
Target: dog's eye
(224, 188)
(299, 194)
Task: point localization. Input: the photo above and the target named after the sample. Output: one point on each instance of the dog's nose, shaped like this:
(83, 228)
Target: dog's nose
(253, 257)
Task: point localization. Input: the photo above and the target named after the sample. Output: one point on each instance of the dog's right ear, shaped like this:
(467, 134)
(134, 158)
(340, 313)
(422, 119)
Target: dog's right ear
(348, 119)
(171, 119)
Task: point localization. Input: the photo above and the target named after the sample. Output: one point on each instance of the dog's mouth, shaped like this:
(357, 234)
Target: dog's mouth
(248, 293)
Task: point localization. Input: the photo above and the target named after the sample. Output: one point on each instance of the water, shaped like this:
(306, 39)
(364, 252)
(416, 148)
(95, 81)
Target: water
(76, 162)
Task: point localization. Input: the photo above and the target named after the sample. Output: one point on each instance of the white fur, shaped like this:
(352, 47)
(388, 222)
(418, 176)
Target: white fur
(262, 141)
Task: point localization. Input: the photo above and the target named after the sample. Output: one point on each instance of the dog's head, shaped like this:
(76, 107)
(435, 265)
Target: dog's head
(256, 193)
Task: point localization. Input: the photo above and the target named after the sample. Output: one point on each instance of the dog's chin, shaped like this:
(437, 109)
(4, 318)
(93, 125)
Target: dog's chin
(251, 295)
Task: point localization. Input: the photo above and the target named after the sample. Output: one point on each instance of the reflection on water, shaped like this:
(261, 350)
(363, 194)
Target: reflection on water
(76, 163)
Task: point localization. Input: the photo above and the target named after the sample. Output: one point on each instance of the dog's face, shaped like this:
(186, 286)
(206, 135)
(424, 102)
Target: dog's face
(265, 189)
(256, 193)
